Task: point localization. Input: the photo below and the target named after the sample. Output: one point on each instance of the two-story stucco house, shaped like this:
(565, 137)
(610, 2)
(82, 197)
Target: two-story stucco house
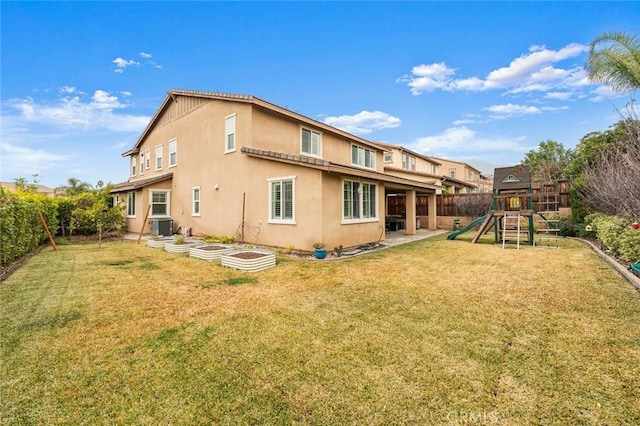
(236, 165)
(462, 172)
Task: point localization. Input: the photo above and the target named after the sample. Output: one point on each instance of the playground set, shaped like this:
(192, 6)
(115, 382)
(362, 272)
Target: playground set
(512, 212)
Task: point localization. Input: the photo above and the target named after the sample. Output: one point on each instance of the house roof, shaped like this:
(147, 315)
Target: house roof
(460, 162)
(456, 182)
(137, 184)
(172, 94)
(331, 167)
(512, 178)
(40, 189)
(403, 149)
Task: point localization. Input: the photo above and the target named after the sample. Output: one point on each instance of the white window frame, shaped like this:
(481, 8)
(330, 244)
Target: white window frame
(434, 169)
(147, 159)
(452, 173)
(167, 202)
(408, 162)
(272, 217)
(363, 157)
(367, 210)
(195, 201)
(230, 133)
(387, 157)
(159, 159)
(173, 152)
(133, 165)
(141, 163)
(131, 204)
(315, 146)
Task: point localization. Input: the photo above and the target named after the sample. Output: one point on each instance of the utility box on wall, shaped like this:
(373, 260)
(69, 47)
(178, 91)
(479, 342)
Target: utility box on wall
(162, 227)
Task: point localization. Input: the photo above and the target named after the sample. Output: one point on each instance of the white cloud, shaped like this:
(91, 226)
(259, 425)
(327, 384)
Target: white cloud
(534, 71)
(145, 55)
(77, 112)
(511, 110)
(121, 64)
(461, 140)
(364, 122)
(17, 159)
(605, 93)
(463, 121)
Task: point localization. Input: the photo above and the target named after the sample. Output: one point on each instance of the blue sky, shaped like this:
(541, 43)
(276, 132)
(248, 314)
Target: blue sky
(477, 82)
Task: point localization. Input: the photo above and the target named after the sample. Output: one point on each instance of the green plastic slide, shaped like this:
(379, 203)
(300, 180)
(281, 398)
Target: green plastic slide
(475, 222)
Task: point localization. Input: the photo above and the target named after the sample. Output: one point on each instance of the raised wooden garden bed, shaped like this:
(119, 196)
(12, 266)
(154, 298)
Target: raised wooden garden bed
(209, 251)
(250, 260)
(159, 242)
(173, 247)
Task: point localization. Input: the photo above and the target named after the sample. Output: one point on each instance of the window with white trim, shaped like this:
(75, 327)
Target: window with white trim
(142, 163)
(173, 152)
(160, 206)
(282, 200)
(434, 169)
(133, 165)
(408, 162)
(147, 159)
(363, 157)
(387, 157)
(195, 206)
(131, 204)
(310, 142)
(230, 133)
(359, 200)
(159, 157)
(452, 173)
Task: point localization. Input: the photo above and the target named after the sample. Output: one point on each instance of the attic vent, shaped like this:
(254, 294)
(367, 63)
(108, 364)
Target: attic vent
(510, 178)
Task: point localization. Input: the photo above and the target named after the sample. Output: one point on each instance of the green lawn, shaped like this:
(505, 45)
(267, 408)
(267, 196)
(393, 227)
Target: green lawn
(432, 332)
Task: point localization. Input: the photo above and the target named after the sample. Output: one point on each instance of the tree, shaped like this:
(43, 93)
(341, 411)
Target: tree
(614, 59)
(74, 187)
(548, 163)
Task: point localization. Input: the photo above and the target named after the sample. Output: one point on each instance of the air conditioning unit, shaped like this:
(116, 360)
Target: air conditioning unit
(162, 227)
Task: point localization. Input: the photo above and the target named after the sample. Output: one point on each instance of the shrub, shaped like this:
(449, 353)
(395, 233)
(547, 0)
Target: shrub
(20, 228)
(629, 245)
(608, 229)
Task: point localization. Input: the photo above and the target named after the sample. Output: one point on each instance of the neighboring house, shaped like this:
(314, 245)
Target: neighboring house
(401, 161)
(236, 165)
(474, 179)
(40, 189)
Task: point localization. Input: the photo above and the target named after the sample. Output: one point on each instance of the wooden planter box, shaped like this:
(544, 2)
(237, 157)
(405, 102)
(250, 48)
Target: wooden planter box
(209, 252)
(172, 247)
(250, 260)
(159, 242)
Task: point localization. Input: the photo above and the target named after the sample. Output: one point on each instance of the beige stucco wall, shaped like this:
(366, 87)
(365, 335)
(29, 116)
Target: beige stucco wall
(225, 179)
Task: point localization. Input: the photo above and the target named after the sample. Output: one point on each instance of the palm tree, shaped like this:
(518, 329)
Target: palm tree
(614, 59)
(74, 186)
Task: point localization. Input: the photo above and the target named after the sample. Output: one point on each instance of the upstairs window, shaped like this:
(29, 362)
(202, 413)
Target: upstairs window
(133, 165)
(173, 152)
(388, 157)
(363, 157)
(311, 143)
(147, 159)
(142, 163)
(159, 157)
(408, 162)
(452, 173)
(230, 133)
(434, 169)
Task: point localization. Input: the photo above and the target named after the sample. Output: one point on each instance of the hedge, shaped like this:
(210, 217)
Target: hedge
(20, 228)
(617, 234)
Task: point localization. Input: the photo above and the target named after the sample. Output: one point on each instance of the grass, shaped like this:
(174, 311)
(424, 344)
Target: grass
(432, 332)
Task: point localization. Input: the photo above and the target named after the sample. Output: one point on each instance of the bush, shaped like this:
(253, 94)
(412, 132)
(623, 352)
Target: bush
(629, 245)
(570, 228)
(20, 228)
(608, 229)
